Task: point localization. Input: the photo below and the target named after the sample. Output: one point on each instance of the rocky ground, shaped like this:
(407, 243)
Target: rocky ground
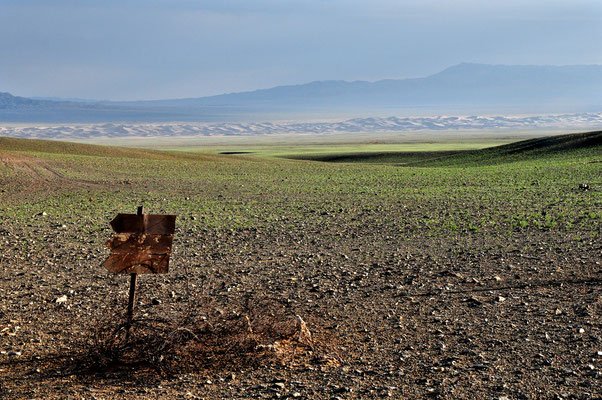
(464, 315)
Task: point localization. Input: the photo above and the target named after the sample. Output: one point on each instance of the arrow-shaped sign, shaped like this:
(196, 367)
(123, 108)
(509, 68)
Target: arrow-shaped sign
(156, 224)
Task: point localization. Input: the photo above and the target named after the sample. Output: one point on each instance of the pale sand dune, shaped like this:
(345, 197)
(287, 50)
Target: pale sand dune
(573, 122)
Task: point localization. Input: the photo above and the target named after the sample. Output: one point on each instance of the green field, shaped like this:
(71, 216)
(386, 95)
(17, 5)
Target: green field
(494, 190)
(460, 269)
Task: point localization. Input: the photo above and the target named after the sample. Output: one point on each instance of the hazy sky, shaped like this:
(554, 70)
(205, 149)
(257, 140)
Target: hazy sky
(149, 49)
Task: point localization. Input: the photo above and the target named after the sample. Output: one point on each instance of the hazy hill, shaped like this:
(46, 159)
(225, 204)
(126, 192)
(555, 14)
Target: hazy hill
(10, 102)
(22, 109)
(467, 85)
(464, 88)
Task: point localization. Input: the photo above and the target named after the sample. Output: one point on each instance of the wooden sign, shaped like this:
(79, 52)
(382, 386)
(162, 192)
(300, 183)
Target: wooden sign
(144, 223)
(142, 244)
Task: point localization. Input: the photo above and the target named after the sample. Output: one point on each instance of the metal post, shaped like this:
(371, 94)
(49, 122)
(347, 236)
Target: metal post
(132, 298)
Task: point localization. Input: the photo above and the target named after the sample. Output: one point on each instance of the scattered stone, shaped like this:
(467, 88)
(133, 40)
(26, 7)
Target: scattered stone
(61, 299)
(584, 186)
(473, 302)
(501, 299)
(156, 302)
(14, 353)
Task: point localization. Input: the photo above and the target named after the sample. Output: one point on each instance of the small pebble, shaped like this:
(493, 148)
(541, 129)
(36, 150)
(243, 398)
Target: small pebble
(61, 299)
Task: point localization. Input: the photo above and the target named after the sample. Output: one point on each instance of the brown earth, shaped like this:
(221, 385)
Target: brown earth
(472, 316)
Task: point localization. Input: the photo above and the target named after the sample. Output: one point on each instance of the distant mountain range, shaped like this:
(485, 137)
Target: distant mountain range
(461, 89)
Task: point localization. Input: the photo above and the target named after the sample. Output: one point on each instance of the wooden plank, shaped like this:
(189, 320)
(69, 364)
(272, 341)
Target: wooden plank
(142, 243)
(135, 263)
(145, 223)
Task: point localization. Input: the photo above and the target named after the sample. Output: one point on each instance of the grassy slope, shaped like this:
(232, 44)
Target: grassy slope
(78, 149)
(227, 191)
(563, 146)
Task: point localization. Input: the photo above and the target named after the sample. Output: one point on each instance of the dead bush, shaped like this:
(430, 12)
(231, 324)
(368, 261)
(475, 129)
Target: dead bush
(205, 337)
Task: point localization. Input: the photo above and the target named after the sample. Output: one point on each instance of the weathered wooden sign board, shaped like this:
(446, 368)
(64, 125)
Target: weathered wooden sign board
(142, 244)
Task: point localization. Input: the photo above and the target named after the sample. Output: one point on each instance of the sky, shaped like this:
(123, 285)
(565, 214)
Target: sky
(158, 49)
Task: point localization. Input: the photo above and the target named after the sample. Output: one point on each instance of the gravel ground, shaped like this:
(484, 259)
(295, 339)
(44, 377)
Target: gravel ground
(405, 319)
(469, 315)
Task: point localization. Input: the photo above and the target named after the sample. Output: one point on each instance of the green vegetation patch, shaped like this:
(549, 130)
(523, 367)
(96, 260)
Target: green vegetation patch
(538, 188)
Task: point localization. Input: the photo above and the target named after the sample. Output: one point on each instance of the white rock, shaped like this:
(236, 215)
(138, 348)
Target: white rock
(61, 299)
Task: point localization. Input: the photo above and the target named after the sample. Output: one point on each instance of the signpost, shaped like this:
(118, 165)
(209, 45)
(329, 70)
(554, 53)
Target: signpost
(142, 245)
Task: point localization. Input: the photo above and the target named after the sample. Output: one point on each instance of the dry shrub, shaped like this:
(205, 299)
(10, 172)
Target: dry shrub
(206, 338)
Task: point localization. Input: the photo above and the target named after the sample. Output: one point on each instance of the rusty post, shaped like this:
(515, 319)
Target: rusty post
(132, 298)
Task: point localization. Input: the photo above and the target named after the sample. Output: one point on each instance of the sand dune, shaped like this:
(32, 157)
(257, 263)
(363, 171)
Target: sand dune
(580, 121)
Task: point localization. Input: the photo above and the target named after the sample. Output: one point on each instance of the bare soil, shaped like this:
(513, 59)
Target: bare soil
(470, 315)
